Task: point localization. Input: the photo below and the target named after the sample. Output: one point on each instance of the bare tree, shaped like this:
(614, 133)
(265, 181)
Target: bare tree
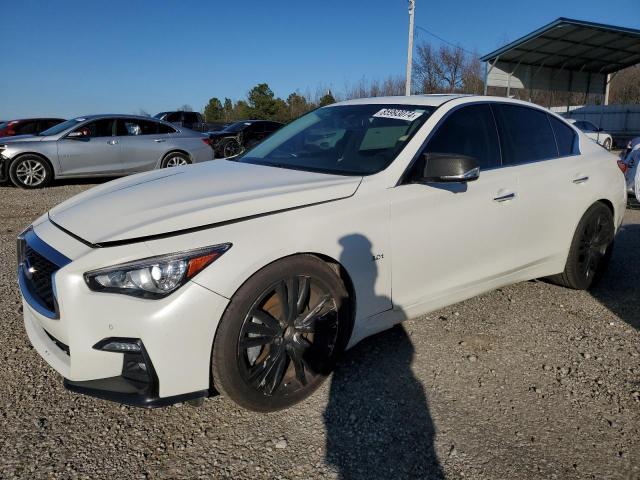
(446, 70)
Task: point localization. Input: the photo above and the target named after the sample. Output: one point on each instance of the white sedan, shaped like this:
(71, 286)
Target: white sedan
(250, 277)
(596, 134)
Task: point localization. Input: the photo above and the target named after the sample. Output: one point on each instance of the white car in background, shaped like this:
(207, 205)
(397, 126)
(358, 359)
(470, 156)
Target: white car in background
(594, 133)
(252, 276)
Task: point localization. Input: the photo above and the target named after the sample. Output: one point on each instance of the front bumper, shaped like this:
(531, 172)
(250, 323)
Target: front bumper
(177, 332)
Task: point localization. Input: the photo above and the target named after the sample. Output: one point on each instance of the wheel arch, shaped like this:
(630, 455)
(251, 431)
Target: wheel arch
(334, 264)
(176, 150)
(35, 154)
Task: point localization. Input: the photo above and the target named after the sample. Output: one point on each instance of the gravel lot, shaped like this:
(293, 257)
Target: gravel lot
(530, 381)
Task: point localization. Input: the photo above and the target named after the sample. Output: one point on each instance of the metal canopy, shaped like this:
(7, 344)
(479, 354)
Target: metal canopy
(567, 55)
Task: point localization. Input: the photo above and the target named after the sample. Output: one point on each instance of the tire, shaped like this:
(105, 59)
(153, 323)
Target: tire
(607, 143)
(30, 171)
(230, 148)
(175, 159)
(590, 249)
(265, 360)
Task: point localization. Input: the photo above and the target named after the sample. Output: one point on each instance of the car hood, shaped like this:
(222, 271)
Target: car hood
(181, 198)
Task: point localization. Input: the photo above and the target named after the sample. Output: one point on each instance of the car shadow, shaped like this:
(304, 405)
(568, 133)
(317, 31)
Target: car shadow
(619, 287)
(377, 420)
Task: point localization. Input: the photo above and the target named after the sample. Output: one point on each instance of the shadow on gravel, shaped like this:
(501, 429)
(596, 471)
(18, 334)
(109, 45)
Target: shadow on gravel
(377, 419)
(619, 288)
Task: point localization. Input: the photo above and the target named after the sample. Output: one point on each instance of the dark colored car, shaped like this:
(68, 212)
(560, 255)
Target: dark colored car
(27, 126)
(190, 120)
(240, 136)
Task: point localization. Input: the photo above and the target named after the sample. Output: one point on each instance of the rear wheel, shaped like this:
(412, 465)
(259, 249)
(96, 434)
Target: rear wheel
(230, 148)
(30, 171)
(607, 143)
(590, 249)
(175, 159)
(281, 334)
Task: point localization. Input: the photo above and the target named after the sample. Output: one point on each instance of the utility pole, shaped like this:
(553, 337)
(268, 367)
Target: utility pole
(407, 86)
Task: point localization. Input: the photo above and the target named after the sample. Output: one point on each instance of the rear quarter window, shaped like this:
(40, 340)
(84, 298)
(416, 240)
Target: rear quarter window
(566, 137)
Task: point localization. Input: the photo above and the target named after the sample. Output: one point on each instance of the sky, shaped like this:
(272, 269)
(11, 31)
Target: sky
(68, 58)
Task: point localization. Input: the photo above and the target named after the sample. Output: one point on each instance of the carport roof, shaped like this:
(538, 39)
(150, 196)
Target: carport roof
(574, 45)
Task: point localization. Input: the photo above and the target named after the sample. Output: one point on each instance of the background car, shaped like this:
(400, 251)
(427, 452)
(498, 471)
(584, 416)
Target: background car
(593, 132)
(240, 136)
(630, 164)
(27, 126)
(99, 145)
(180, 118)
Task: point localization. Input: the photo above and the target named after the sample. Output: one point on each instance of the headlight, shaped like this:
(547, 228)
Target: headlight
(154, 277)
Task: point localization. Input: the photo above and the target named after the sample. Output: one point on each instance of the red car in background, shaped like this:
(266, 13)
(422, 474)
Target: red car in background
(27, 126)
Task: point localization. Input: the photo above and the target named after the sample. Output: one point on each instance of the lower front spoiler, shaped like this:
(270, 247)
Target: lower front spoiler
(128, 392)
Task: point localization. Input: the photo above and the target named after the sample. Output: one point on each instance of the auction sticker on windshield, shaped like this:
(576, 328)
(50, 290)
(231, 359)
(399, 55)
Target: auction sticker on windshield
(397, 114)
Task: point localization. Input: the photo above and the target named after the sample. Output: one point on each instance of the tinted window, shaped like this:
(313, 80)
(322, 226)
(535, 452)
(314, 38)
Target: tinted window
(99, 128)
(162, 128)
(525, 134)
(566, 137)
(190, 117)
(135, 127)
(468, 131)
(26, 128)
(174, 117)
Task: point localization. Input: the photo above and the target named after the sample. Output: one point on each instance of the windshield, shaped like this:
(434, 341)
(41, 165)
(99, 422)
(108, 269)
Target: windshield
(344, 140)
(61, 127)
(236, 127)
(3, 124)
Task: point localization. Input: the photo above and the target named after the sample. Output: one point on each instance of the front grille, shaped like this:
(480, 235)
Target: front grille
(38, 271)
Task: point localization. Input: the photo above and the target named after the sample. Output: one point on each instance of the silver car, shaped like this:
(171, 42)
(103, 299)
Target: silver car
(99, 145)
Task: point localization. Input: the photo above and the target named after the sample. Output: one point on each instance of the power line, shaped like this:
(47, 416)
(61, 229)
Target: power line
(444, 40)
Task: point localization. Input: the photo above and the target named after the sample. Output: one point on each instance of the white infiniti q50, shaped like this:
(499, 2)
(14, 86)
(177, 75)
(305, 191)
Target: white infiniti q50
(251, 276)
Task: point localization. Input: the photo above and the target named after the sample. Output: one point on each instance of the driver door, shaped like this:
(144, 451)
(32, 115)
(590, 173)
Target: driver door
(451, 241)
(91, 149)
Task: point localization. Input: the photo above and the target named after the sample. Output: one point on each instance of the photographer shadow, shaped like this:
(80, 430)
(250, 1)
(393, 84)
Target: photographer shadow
(377, 420)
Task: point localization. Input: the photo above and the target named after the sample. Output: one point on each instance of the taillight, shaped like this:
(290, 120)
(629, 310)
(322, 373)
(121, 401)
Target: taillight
(207, 141)
(623, 166)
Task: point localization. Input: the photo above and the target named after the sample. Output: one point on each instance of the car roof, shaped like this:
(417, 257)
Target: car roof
(432, 100)
(33, 118)
(114, 115)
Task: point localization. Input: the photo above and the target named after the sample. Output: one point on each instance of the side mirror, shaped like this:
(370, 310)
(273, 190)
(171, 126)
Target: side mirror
(78, 135)
(449, 167)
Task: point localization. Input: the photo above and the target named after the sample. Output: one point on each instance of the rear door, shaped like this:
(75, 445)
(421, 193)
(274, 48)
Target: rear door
(143, 143)
(553, 179)
(96, 152)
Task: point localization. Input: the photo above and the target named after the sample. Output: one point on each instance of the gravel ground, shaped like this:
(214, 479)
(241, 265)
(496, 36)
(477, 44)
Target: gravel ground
(529, 381)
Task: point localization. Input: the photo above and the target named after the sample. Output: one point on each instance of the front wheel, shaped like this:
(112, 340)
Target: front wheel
(30, 171)
(281, 334)
(590, 249)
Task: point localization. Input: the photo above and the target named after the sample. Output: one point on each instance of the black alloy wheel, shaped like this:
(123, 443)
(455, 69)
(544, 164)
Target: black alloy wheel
(590, 249)
(281, 334)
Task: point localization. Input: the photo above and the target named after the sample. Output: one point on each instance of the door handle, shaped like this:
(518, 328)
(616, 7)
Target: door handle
(580, 179)
(505, 198)
(112, 142)
(159, 140)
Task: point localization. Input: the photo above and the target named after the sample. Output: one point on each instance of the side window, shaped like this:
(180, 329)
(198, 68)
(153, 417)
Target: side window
(190, 117)
(525, 134)
(26, 128)
(468, 131)
(162, 128)
(174, 117)
(135, 127)
(99, 128)
(566, 138)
